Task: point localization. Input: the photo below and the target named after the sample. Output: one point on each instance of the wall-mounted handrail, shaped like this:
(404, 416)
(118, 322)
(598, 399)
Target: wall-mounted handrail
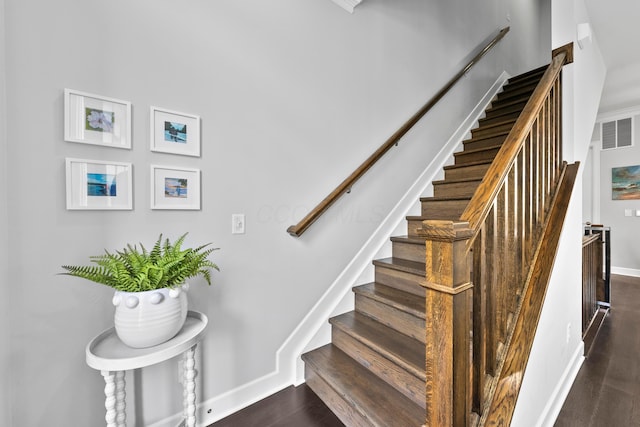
(298, 229)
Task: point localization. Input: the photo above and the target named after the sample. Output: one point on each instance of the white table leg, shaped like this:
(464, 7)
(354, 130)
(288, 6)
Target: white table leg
(121, 405)
(189, 392)
(110, 398)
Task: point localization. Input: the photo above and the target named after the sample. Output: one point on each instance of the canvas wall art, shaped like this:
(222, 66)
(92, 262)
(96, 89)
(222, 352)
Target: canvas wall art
(625, 183)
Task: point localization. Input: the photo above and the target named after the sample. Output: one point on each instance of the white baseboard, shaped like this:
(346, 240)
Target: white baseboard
(625, 271)
(348, 5)
(560, 393)
(288, 364)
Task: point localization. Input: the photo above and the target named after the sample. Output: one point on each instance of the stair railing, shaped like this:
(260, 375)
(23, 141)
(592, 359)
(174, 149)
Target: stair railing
(298, 229)
(478, 268)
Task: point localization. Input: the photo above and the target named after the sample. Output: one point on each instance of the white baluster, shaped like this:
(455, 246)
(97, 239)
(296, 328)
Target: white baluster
(110, 398)
(189, 392)
(121, 414)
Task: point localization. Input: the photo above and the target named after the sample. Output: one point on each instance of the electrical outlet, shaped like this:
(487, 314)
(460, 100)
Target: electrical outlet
(237, 224)
(628, 212)
(568, 332)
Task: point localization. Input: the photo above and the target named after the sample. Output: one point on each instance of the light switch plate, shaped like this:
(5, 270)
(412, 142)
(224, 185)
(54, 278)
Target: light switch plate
(237, 224)
(627, 212)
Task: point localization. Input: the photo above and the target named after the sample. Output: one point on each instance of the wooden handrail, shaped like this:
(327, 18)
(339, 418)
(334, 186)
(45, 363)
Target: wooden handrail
(298, 229)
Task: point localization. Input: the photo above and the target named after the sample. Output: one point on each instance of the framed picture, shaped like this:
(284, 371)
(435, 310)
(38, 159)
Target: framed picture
(94, 184)
(625, 183)
(95, 119)
(175, 188)
(174, 132)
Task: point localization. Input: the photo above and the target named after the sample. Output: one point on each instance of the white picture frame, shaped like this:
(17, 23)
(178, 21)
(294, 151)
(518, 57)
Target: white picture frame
(97, 120)
(98, 185)
(175, 188)
(174, 132)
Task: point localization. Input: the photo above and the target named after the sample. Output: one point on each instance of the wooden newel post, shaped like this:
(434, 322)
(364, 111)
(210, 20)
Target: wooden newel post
(449, 295)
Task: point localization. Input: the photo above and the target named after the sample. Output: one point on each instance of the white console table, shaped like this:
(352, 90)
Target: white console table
(112, 358)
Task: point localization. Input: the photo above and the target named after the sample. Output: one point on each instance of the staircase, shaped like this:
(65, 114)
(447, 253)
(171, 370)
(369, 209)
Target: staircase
(373, 372)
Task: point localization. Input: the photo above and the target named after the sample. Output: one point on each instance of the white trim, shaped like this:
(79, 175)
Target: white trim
(347, 5)
(625, 271)
(596, 196)
(618, 114)
(560, 393)
(288, 362)
(594, 151)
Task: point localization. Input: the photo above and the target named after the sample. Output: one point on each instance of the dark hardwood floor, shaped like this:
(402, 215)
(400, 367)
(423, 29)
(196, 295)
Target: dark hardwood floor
(606, 391)
(291, 407)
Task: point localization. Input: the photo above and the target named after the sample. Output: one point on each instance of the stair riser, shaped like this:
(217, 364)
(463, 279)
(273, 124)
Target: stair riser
(413, 226)
(491, 130)
(520, 90)
(410, 251)
(403, 381)
(456, 189)
(527, 77)
(400, 280)
(471, 171)
(498, 118)
(476, 156)
(443, 209)
(499, 109)
(479, 143)
(333, 400)
(398, 320)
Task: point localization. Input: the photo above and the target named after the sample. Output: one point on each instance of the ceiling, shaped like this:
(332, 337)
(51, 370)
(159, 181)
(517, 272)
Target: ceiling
(616, 28)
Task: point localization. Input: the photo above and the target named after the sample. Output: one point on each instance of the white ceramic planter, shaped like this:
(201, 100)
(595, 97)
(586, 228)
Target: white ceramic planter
(145, 319)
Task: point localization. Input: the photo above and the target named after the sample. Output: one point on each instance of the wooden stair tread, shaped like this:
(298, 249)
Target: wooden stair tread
(400, 349)
(443, 199)
(519, 88)
(476, 163)
(416, 240)
(498, 105)
(494, 124)
(456, 181)
(477, 150)
(534, 73)
(373, 399)
(529, 74)
(403, 301)
(483, 137)
(524, 85)
(500, 115)
(400, 264)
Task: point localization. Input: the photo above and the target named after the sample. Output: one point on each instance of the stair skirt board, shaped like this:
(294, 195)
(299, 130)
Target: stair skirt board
(315, 328)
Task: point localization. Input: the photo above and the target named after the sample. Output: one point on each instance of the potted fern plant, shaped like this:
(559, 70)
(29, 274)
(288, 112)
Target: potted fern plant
(150, 286)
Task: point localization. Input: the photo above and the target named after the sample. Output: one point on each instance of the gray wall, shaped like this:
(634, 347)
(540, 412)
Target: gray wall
(5, 382)
(293, 95)
(625, 231)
